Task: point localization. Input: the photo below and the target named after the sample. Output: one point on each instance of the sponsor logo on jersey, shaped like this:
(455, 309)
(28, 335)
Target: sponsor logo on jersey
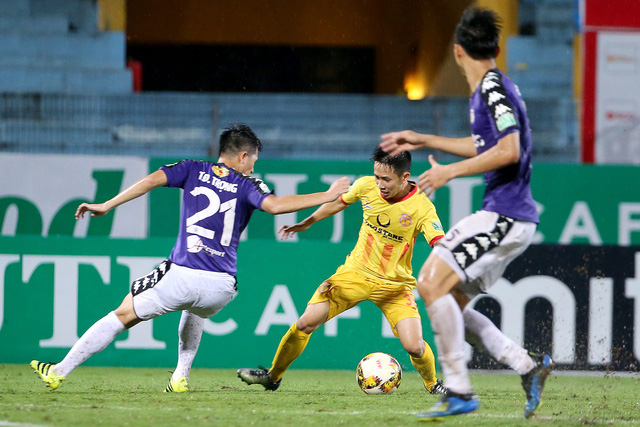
(505, 121)
(264, 187)
(384, 232)
(383, 220)
(220, 171)
(437, 226)
(405, 220)
(195, 245)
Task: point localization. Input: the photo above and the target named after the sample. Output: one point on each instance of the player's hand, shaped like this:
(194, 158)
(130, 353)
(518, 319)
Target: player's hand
(97, 209)
(395, 143)
(288, 231)
(434, 178)
(338, 187)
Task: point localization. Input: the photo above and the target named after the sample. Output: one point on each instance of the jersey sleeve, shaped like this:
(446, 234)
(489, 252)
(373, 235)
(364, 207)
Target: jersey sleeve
(177, 173)
(354, 193)
(431, 227)
(504, 115)
(257, 191)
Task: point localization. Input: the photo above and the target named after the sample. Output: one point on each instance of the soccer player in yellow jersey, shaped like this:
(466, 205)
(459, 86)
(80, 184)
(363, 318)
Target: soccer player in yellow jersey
(378, 269)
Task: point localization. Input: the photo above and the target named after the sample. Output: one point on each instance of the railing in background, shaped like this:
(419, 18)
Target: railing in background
(292, 126)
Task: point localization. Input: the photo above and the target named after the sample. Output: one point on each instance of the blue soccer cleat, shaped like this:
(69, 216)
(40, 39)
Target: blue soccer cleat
(451, 404)
(533, 382)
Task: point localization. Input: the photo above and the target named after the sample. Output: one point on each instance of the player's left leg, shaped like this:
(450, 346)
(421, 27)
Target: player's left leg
(189, 337)
(94, 340)
(410, 333)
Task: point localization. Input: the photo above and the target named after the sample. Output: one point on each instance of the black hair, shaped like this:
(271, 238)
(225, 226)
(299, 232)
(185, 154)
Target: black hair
(478, 32)
(239, 137)
(400, 163)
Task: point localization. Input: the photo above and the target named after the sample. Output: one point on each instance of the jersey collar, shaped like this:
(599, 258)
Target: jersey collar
(413, 191)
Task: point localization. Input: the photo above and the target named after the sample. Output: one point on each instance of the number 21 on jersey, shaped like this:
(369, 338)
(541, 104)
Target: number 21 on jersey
(227, 208)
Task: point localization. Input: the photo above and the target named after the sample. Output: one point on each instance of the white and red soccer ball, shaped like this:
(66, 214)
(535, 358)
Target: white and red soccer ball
(379, 373)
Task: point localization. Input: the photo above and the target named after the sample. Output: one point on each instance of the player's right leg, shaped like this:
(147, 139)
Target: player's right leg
(401, 311)
(343, 290)
(189, 337)
(291, 347)
(485, 336)
(435, 281)
(199, 294)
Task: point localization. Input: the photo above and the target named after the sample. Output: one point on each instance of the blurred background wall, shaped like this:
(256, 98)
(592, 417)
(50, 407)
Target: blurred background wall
(314, 79)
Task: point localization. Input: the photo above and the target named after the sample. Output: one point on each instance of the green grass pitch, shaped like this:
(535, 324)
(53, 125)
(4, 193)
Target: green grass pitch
(134, 396)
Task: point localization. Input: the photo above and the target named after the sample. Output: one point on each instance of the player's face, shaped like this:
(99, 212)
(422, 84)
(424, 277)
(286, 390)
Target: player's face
(248, 162)
(391, 185)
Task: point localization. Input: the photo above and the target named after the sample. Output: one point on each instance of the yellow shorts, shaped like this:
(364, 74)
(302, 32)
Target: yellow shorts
(348, 287)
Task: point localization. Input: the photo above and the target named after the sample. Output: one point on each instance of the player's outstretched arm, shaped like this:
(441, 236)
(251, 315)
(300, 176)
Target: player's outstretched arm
(143, 186)
(407, 140)
(297, 202)
(324, 211)
(506, 152)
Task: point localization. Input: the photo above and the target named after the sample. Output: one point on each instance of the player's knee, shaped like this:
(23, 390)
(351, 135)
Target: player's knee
(415, 349)
(427, 288)
(307, 325)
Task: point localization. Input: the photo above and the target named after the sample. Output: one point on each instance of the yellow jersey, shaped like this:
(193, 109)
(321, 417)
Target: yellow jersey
(389, 231)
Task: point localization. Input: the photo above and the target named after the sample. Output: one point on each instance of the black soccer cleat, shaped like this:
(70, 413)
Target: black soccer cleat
(258, 376)
(437, 388)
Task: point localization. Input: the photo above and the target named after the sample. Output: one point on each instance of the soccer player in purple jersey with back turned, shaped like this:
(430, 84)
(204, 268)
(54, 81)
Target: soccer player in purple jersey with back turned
(475, 252)
(199, 276)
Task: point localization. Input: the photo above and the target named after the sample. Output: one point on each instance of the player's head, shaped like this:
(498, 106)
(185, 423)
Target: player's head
(478, 33)
(240, 146)
(391, 172)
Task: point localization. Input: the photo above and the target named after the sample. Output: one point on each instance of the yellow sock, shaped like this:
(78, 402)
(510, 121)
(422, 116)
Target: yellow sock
(291, 346)
(426, 366)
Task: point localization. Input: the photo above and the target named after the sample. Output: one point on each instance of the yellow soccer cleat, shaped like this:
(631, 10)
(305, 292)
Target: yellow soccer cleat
(178, 386)
(46, 374)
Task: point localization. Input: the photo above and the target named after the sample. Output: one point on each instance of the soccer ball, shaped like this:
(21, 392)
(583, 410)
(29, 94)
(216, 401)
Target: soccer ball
(379, 373)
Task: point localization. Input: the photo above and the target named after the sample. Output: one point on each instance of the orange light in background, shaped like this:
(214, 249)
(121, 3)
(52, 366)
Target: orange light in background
(414, 86)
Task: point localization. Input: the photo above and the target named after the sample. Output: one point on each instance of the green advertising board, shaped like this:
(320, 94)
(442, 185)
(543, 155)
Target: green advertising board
(58, 275)
(55, 288)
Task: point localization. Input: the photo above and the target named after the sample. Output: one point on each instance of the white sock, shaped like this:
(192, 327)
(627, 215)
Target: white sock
(496, 343)
(189, 335)
(448, 328)
(96, 339)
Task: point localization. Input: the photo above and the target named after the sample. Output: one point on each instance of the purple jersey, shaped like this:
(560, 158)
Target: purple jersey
(217, 204)
(496, 109)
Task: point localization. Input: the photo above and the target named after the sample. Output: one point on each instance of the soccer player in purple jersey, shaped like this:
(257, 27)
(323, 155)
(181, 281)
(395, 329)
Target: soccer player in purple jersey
(199, 276)
(475, 252)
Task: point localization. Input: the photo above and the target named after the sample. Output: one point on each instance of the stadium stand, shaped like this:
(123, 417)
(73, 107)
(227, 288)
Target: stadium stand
(52, 46)
(64, 88)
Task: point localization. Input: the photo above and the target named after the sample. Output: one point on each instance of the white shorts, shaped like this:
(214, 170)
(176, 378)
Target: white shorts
(171, 287)
(480, 246)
